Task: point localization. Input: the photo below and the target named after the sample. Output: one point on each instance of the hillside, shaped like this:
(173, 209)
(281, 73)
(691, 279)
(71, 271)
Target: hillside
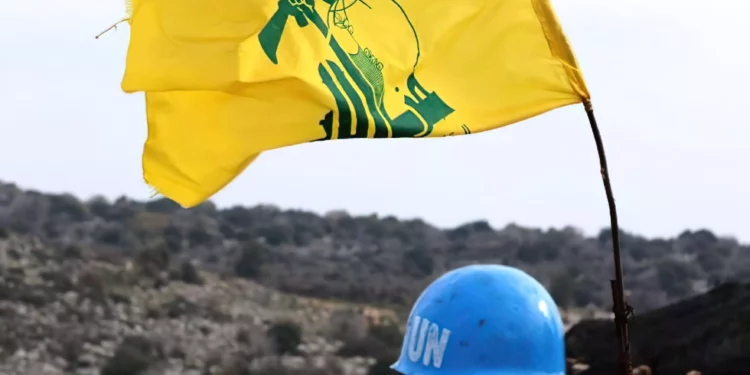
(710, 332)
(68, 311)
(147, 288)
(376, 260)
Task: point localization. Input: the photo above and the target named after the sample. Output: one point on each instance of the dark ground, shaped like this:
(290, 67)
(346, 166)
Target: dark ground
(709, 333)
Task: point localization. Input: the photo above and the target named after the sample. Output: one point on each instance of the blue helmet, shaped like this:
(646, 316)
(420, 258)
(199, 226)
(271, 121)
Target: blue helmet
(483, 320)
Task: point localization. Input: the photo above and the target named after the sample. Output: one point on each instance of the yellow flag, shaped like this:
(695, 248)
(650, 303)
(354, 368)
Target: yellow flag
(228, 79)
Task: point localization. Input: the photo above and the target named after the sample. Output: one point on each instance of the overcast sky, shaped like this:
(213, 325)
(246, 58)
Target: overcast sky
(669, 79)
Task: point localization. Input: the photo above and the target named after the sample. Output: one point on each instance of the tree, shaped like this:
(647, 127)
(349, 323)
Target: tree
(162, 205)
(250, 261)
(562, 288)
(418, 262)
(675, 276)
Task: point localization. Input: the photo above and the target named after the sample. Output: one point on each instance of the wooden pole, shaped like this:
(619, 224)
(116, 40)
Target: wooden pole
(621, 309)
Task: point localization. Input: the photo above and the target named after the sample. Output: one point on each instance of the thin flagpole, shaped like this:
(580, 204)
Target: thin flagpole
(622, 310)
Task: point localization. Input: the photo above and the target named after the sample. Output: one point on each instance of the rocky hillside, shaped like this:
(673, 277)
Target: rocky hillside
(68, 311)
(147, 288)
(371, 259)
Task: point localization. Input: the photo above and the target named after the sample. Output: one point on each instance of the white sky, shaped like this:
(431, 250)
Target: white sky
(668, 79)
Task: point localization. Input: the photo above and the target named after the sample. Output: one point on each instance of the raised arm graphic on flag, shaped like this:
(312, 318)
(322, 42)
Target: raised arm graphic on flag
(366, 62)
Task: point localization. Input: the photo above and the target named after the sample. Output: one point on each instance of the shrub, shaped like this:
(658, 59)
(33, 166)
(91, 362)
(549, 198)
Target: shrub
(286, 337)
(133, 356)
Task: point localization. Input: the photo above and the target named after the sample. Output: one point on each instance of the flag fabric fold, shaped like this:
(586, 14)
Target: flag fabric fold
(226, 80)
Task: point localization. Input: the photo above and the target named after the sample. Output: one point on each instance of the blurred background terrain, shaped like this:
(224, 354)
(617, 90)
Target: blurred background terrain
(128, 287)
